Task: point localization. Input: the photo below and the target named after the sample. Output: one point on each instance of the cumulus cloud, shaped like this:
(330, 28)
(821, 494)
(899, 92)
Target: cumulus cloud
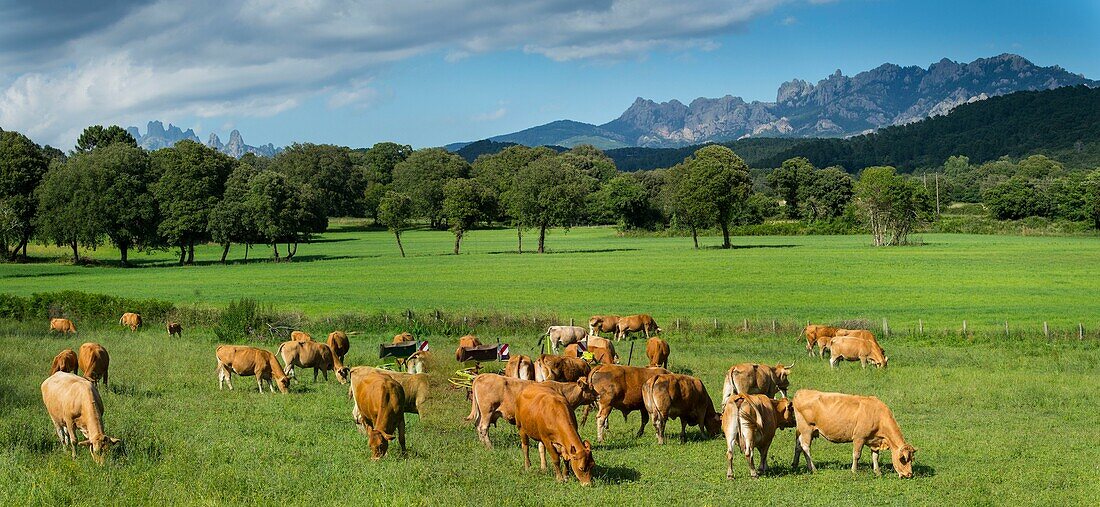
(68, 64)
(495, 114)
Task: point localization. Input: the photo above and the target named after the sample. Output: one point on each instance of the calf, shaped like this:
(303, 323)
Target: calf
(377, 411)
(602, 323)
(545, 416)
(94, 362)
(521, 367)
(818, 335)
(64, 361)
(565, 335)
(672, 396)
(657, 350)
(247, 362)
(754, 378)
(311, 354)
(749, 421)
(65, 326)
(415, 386)
(619, 388)
(853, 348)
(464, 343)
(338, 342)
(73, 403)
(300, 336)
(130, 320)
(494, 396)
(861, 420)
(405, 336)
(174, 329)
(634, 324)
(561, 369)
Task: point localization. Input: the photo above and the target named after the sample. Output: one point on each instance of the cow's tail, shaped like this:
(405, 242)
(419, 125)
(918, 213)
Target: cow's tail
(648, 401)
(727, 388)
(548, 331)
(475, 414)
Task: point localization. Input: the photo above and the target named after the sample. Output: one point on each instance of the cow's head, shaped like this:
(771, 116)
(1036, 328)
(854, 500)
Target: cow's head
(782, 377)
(903, 460)
(713, 425)
(784, 413)
(588, 393)
(580, 460)
(284, 384)
(342, 374)
(99, 446)
(878, 357)
(379, 442)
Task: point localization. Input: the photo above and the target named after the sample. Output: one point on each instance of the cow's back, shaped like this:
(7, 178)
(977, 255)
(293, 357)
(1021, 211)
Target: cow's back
(93, 360)
(839, 417)
(622, 385)
(67, 396)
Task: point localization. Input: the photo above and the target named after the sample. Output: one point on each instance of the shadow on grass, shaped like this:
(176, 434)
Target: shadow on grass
(745, 247)
(38, 275)
(615, 474)
(555, 252)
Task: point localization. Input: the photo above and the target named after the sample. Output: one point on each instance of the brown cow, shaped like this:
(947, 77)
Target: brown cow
(572, 350)
(754, 378)
(311, 354)
(634, 324)
(602, 355)
(338, 342)
(521, 367)
(544, 415)
(596, 341)
(74, 404)
(657, 350)
(862, 420)
(853, 348)
(674, 396)
(300, 336)
(174, 329)
(619, 388)
(466, 342)
(565, 335)
(415, 386)
(818, 335)
(250, 361)
(130, 320)
(561, 369)
(494, 396)
(94, 361)
(750, 421)
(416, 363)
(405, 336)
(377, 411)
(602, 323)
(64, 361)
(65, 326)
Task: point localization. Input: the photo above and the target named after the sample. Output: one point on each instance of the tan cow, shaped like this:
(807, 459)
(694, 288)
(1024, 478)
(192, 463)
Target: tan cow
(565, 335)
(657, 350)
(521, 367)
(338, 342)
(466, 342)
(853, 348)
(311, 354)
(602, 355)
(300, 336)
(415, 386)
(861, 420)
(74, 404)
(754, 378)
(130, 320)
(749, 422)
(673, 396)
(377, 411)
(64, 361)
(818, 335)
(635, 324)
(94, 361)
(602, 324)
(545, 416)
(494, 396)
(572, 350)
(596, 341)
(405, 336)
(561, 369)
(174, 329)
(250, 361)
(65, 326)
(619, 388)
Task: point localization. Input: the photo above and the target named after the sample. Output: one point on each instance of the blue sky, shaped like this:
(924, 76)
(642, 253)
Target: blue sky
(355, 73)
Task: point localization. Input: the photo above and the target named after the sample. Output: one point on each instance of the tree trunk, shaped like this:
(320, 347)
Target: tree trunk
(542, 238)
(519, 235)
(291, 251)
(123, 253)
(183, 253)
(726, 235)
(695, 236)
(76, 253)
(27, 239)
(225, 251)
(191, 252)
(276, 247)
(458, 240)
(397, 234)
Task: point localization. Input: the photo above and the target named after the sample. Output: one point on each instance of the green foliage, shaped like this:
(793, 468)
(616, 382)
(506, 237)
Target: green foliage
(892, 205)
(98, 137)
(789, 182)
(22, 168)
(422, 175)
(548, 193)
(67, 200)
(101, 309)
(591, 161)
(755, 210)
(1015, 198)
(123, 207)
(241, 320)
(625, 201)
(497, 172)
(192, 181)
(395, 211)
(462, 206)
(283, 211)
(715, 175)
(233, 219)
(329, 171)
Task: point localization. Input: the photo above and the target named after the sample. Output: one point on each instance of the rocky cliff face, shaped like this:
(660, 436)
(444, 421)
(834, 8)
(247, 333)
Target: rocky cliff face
(157, 137)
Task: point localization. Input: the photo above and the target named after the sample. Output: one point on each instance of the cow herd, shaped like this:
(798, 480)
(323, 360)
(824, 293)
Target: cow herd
(540, 396)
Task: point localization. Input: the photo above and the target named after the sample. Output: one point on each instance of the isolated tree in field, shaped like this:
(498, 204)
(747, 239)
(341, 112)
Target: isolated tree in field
(548, 193)
(688, 204)
(497, 173)
(97, 136)
(789, 182)
(395, 211)
(284, 211)
(22, 167)
(192, 181)
(891, 204)
(121, 177)
(719, 176)
(67, 199)
(422, 176)
(233, 220)
(462, 201)
(329, 171)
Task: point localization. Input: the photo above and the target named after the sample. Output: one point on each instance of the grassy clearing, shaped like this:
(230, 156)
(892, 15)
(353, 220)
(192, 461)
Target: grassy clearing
(993, 422)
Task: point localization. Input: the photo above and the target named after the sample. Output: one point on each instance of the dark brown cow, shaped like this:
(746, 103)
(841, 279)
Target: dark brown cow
(674, 396)
(818, 335)
(641, 323)
(619, 388)
(861, 420)
(750, 422)
(754, 378)
(494, 396)
(657, 350)
(130, 320)
(247, 362)
(521, 367)
(561, 369)
(65, 326)
(94, 361)
(466, 342)
(602, 324)
(74, 404)
(174, 329)
(338, 342)
(377, 411)
(544, 415)
(64, 361)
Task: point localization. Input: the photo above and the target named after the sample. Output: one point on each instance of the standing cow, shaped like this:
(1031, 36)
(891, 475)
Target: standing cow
(749, 422)
(74, 404)
(314, 355)
(602, 324)
(657, 350)
(64, 361)
(619, 388)
(377, 411)
(494, 396)
(641, 323)
(174, 329)
(130, 320)
(250, 361)
(674, 396)
(818, 335)
(565, 335)
(64, 326)
(338, 342)
(861, 420)
(94, 362)
(754, 378)
(544, 415)
(854, 348)
(561, 369)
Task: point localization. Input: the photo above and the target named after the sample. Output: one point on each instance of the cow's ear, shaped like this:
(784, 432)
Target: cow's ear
(386, 436)
(588, 446)
(114, 441)
(572, 450)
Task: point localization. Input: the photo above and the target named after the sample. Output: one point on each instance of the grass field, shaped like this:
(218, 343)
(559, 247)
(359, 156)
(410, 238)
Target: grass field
(985, 280)
(994, 423)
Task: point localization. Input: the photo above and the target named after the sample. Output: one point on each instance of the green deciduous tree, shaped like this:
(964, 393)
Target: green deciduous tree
(789, 183)
(624, 200)
(891, 204)
(395, 211)
(97, 136)
(66, 198)
(688, 203)
(827, 195)
(125, 211)
(591, 161)
(328, 169)
(548, 193)
(497, 173)
(284, 211)
(462, 203)
(192, 181)
(233, 220)
(1014, 198)
(422, 176)
(22, 167)
(719, 176)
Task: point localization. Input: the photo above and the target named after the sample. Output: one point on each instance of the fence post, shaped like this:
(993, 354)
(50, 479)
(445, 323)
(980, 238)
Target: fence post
(920, 326)
(964, 327)
(746, 324)
(1080, 331)
(570, 322)
(1006, 328)
(885, 327)
(1046, 330)
(715, 323)
(774, 331)
(677, 324)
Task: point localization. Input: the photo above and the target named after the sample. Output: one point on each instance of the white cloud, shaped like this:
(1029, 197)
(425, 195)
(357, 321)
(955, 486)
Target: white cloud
(789, 21)
(491, 115)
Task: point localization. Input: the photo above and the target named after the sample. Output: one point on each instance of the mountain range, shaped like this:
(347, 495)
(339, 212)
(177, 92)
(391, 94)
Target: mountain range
(157, 137)
(837, 106)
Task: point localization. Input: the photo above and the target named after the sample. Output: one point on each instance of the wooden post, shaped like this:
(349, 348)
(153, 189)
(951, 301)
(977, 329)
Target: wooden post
(920, 326)
(715, 323)
(464, 321)
(677, 324)
(774, 331)
(937, 194)
(570, 322)
(1006, 329)
(964, 327)
(1080, 331)
(746, 325)
(1046, 330)
(885, 327)
(631, 355)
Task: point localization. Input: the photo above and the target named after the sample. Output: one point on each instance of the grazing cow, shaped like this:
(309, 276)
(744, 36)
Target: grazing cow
(300, 336)
(377, 411)
(573, 350)
(565, 335)
(494, 396)
(596, 341)
(250, 361)
(74, 404)
(602, 324)
(64, 361)
(545, 416)
(405, 336)
(619, 388)
(858, 333)
(338, 342)
(466, 342)
(602, 355)
(314, 355)
(673, 396)
(818, 335)
(94, 361)
(852, 348)
(635, 324)
(657, 350)
(749, 421)
(861, 420)
(753, 378)
(520, 367)
(415, 386)
(130, 320)
(416, 363)
(65, 326)
(174, 329)
(561, 369)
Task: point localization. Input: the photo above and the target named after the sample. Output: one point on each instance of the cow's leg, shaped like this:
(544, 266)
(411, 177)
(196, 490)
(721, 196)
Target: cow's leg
(764, 459)
(555, 462)
(584, 418)
(729, 461)
(483, 431)
(542, 456)
(874, 462)
(229, 378)
(601, 422)
(70, 428)
(524, 444)
(797, 451)
(804, 440)
(835, 360)
(401, 433)
(857, 450)
(645, 420)
(747, 438)
(659, 429)
(683, 430)
(260, 383)
(863, 362)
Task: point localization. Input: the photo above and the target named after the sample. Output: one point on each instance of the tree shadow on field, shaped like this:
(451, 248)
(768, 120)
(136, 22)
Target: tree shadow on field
(555, 252)
(38, 275)
(745, 247)
(330, 240)
(616, 475)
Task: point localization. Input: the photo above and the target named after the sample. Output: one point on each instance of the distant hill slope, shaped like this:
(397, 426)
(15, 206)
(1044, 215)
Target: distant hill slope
(470, 151)
(755, 152)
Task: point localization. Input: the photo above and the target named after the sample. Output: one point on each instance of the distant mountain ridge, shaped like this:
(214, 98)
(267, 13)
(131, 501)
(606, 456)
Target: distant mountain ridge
(157, 137)
(837, 106)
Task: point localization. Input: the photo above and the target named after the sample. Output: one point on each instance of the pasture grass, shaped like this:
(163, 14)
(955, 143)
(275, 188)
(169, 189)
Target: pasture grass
(995, 422)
